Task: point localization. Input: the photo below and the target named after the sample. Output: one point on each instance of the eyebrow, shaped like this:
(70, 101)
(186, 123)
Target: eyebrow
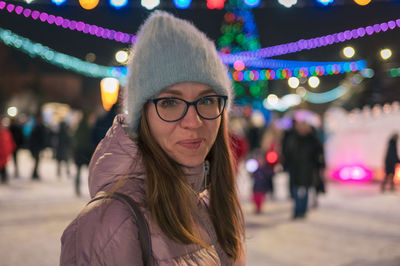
(179, 93)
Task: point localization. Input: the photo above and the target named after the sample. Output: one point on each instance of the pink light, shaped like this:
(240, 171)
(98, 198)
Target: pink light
(35, 14)
(353, 173)
(361, 32)
(43, 17)
(80, 25)
(19, 10)
(27, 12)
(377, 28)
(65, 23)
(10, 8)
(384, 26)
(51, 19)
(59, 20)
(391, 24)
(69, 24)
(72, 25)
(239, 65)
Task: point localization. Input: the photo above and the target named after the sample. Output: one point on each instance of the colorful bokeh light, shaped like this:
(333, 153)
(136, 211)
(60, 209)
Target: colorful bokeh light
(182, 4)
(353, 173)
(271, 157)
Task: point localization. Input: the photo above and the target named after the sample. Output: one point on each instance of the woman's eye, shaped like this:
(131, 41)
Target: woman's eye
(206, 101)
(168, 103)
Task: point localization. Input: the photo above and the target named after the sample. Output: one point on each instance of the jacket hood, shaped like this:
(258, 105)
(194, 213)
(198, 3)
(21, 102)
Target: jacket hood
(117, 155)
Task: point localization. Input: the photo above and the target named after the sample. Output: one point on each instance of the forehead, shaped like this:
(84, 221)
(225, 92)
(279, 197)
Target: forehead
(188, 88)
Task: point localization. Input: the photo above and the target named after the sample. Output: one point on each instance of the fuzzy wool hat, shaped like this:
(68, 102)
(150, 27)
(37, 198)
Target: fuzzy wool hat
(168, 51)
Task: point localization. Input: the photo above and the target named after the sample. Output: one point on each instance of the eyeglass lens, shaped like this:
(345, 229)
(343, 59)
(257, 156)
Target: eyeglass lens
(172, 109)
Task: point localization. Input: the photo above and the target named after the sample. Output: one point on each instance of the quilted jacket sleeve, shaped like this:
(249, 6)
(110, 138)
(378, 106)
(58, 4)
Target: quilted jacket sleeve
(105, 234)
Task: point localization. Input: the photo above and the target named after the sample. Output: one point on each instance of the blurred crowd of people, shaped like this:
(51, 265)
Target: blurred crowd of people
(67, 144)
(297, 150)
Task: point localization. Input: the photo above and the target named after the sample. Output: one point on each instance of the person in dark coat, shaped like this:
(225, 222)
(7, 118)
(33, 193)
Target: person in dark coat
(37, 143)
(391, 159)
(63, 145)
(83, 148)
(287, 135)
(302, 162)
(102, 124)
(18, 137)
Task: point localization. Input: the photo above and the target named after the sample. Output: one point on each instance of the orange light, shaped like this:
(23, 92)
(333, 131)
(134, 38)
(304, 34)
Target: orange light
(362, 2)
(397, 174)
(109, 92)
(88, 4)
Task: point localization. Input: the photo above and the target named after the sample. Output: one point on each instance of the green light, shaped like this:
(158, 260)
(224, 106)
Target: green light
(255, 90)
(394, 72)
(239, 90)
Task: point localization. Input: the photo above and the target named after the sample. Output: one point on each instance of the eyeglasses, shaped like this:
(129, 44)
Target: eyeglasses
(172, 109)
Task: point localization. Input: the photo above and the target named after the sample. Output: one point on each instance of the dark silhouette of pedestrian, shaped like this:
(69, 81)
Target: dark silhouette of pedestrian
(83, 148)
(302, 162)
(63, 146)
(286, 152)
(391, 159)
(37, 143)
(103, 124)
(18, 137)
(7, 147)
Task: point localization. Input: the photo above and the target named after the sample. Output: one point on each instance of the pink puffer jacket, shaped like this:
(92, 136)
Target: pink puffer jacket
(109, 236)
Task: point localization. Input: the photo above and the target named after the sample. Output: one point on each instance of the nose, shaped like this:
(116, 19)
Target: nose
(191, 119)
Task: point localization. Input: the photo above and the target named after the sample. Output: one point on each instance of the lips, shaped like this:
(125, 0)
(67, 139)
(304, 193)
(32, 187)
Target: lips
(192, 144)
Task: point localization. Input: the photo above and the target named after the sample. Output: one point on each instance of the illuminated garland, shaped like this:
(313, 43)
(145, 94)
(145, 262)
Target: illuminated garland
(276, 74)
(60, 59)
(308, 44)
(226, 58)
(94, 70)
(70, 24)
(291, 64)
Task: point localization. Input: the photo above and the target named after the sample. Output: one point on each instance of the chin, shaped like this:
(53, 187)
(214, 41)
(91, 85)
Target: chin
(190, 162)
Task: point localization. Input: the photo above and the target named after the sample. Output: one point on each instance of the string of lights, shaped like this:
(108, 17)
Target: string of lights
(291, 64)
(69, 24)
(308, 44)
(286, 73)
(59, 59)
(93, 70)
(229, 59)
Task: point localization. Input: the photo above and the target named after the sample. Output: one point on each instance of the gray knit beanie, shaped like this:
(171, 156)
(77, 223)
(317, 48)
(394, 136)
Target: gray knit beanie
(168, 51)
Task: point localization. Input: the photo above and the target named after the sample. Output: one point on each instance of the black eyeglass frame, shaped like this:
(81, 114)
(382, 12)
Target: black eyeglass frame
(188, 104)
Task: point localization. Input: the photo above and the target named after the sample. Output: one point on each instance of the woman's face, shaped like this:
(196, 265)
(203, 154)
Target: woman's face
(187, 141)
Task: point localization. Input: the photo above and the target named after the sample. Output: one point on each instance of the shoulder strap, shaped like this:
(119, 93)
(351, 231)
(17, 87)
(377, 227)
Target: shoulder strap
(143, 227)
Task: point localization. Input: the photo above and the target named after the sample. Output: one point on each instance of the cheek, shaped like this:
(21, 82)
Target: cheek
(213, 128)
(158, 128)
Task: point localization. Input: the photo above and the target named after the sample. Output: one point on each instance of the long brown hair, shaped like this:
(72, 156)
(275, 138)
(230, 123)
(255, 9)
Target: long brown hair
(171, 200)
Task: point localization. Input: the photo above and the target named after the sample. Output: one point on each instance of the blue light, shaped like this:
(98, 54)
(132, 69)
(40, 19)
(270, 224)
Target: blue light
(252, 3)
(118, 3)
(182, 4)
(58, 2)
(325, 2)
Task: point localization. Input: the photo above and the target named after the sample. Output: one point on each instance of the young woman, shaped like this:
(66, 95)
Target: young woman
(171, 155)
